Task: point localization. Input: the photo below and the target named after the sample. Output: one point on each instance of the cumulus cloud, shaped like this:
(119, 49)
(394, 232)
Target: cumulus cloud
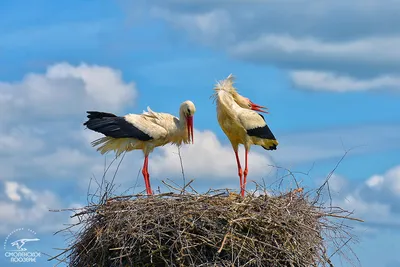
(29, 144)
(374, 199)
(65, 89)
(327, 81)
(28, 207)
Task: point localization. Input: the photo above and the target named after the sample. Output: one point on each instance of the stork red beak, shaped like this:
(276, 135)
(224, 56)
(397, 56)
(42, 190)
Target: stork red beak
(189, 120)
(258, 107)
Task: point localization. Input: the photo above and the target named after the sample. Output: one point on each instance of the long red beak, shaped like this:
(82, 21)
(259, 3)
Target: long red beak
(189, 120)
(258, 107)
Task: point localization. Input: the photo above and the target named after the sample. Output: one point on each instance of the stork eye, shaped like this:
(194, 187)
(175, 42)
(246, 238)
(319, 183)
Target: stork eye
(188, 111)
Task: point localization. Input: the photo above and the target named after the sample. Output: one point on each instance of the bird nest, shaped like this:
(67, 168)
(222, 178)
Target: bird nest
(218, 228)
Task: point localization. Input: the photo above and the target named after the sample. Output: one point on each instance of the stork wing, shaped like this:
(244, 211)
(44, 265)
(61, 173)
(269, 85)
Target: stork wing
(255, 124)
(263, 132)
(114, 126)
(150, 124)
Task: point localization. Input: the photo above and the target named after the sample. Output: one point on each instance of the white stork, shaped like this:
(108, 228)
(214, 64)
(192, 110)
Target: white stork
(241, 125)
(142, 131)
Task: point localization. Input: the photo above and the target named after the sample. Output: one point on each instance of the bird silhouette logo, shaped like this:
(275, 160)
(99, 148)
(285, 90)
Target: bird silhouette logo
(21, 242)
(16, 249)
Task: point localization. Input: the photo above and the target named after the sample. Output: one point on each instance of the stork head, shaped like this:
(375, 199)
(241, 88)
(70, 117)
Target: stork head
(246, 103)
(187, 110)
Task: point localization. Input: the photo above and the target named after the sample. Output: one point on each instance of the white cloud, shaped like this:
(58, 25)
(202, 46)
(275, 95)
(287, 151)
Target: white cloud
(306, 48)
(29, 144)
(103, 85)
(374, 200)
(66, 89)
(207, 158)
(319, 80)
(375, 181)
(389, 181)
(15, 191)
(33, 212)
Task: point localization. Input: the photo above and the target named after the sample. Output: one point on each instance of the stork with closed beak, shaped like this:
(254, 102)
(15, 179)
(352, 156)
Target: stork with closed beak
(241, 125)
(142, 131)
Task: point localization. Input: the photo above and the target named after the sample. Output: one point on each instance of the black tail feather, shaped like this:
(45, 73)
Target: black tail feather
(273, 147)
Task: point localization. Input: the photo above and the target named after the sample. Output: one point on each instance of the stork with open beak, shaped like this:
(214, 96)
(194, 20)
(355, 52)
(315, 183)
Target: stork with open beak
(241, 126)
(242, 101)
(142, 131)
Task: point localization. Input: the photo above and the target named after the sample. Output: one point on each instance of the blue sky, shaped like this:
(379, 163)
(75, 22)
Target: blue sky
(327, 71)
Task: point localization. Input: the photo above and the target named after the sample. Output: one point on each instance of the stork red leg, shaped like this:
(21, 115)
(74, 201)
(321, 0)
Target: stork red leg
(240, 172)
(146, 175)
(246, 171)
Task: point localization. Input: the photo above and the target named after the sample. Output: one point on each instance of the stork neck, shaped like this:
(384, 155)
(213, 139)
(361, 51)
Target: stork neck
(181, 132)
(225, 100)
(182, 121)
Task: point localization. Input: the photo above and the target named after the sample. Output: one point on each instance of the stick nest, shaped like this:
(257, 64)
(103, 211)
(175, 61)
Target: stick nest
(218, 229)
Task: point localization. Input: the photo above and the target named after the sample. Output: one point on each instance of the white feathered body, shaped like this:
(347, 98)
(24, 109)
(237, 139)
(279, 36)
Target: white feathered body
(163, 128)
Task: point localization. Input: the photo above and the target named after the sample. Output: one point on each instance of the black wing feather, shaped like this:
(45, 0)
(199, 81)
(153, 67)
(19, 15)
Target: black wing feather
(114, 126)
(263, 132)
(99, 115)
